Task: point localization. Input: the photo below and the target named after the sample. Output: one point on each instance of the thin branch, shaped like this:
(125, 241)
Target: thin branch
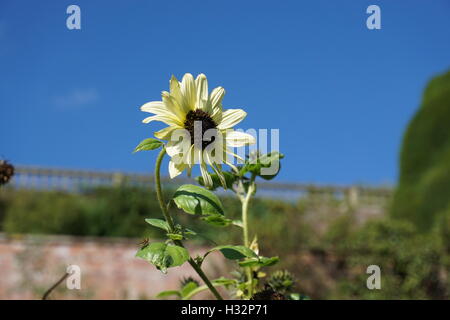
(47, 293)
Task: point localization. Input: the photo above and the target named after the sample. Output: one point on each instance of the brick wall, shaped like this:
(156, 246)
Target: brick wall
(30, 265)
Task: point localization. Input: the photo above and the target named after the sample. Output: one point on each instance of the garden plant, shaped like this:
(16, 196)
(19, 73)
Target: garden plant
(201, 133)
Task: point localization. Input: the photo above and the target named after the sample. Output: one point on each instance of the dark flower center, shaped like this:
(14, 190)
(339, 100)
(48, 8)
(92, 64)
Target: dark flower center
(201, 118)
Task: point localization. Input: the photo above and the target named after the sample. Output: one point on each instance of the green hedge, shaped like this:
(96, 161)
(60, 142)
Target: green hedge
(423, 191)
(413, 266)
(120, 212)
(328, 253)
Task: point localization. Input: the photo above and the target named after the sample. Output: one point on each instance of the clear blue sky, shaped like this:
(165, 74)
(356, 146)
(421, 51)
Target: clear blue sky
(340, 94)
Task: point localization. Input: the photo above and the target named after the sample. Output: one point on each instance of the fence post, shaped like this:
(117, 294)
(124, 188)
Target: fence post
(118, 179)
(353, 196)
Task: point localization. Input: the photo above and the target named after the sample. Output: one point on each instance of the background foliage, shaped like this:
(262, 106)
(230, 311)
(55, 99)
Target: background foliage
(327, 254)
(423, 194)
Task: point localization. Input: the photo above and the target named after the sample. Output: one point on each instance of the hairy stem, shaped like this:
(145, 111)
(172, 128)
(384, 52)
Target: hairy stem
(245, 202)
(158, 189)
(169, 220)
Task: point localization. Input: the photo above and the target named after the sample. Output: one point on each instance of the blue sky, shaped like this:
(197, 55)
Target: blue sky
(340, 94)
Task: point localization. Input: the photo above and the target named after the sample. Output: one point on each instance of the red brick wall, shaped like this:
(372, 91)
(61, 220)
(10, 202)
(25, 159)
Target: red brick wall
(109, 270)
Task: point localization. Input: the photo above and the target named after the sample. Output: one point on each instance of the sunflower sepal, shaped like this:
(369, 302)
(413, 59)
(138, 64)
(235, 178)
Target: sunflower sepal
(230, 179)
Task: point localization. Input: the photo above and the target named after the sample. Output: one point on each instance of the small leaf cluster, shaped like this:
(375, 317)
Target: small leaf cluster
(252, 166)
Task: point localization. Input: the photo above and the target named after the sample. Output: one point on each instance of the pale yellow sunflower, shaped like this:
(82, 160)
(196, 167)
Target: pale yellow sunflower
(189, 106)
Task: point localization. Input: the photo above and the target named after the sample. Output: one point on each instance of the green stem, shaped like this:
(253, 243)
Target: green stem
(205, 279)
(245, 203)
(169, 220)
(158, 189)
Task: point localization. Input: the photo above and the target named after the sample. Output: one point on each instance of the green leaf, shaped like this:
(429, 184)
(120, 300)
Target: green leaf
(294, 296)
(262, 161)
(234, 252)
(197, 200)
(271, 176)
(168, 293)
(217, 220)
(158, 223)
(163, 255)
(298, 296)
(224, 281)
(188, 288)
(267, 159)
(189, 232)
(216, 283)
(174, 236)
(148, 144)
(259, 262)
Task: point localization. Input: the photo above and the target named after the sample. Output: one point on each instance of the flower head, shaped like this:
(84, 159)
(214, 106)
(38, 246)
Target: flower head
(6, 171)
(199, 131)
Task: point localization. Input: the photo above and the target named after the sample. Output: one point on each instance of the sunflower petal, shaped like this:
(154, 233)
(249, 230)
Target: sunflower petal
(216, 169)
(205, 175)
(174, 86)
(174, 148)
(231, 165)
(175, 169)
(169, 120)
(156, 107)
(190, 156)
(165, 134)
(188, 91)
(216, 98)
(201, 84)
(239, 139)
(231, 153)
(172, 105)
(231, 117)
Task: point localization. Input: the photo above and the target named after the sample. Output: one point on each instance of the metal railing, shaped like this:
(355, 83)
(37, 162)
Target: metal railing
(30, 177)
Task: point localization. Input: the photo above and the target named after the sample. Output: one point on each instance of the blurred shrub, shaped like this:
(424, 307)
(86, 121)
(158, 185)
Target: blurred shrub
(320, 241)
(413, 266)
(424, 184)
(46, 212)
(120, 212)
(99, 212)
